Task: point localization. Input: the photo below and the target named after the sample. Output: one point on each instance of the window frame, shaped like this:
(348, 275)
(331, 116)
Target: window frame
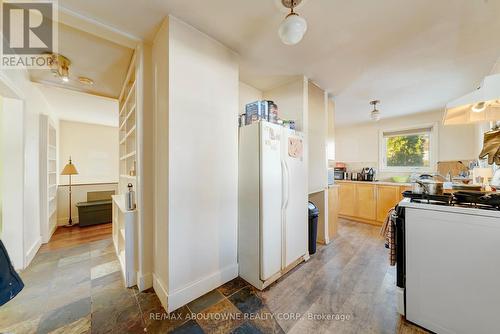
(433, 149)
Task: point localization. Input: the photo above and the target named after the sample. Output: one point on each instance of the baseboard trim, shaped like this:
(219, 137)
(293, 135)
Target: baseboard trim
(145, 281)
(361, 220)
(64, 221)
(32, 252)
(161, 292)
(197, 289)
(51, 232)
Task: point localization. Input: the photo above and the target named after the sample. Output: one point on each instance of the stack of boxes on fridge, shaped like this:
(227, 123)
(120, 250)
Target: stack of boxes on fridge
(263, 110)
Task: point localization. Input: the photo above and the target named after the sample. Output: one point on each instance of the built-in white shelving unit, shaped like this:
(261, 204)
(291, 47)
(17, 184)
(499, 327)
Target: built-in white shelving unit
(48, 177)
(124, 220)
(127, 128)
(123, 238)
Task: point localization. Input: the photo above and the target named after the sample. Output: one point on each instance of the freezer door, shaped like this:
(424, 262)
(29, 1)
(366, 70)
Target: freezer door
(270, 197)
(295, 214)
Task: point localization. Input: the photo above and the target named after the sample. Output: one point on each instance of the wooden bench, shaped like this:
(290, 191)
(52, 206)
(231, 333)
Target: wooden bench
(97, 209)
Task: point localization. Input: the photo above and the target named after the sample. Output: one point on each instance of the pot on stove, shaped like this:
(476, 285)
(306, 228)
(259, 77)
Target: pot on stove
(426, 184)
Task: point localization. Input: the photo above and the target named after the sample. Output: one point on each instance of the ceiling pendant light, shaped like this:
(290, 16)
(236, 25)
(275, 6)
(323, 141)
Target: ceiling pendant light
(60, 66)
(293, 27)
(375, 114)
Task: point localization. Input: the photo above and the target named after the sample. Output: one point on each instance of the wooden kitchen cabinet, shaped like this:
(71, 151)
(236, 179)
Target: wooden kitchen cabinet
(402, 189)
(366, 201)
(387, 198)
(347, 199)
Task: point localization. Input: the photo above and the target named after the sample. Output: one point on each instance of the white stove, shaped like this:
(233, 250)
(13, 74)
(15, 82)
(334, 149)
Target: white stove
(449, 267)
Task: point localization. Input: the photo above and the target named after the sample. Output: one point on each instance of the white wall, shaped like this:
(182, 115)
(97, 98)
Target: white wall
(291, 99)
(330, 149)
(34, 104)
(317, 138)
(359, 144)
(93, 149)
(12, 181)
(160, 55)
(203, 181)
(197, 138)
(146, 197)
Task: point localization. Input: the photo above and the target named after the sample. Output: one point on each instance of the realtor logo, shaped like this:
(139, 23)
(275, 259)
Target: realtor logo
(29, 33)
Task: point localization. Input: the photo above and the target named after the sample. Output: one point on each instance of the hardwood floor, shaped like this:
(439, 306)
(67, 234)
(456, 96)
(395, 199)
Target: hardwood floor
(65, 237)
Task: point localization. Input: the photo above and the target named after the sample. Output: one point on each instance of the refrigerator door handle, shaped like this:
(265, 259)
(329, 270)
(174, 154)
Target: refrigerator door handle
(287, 182)
(283, 181)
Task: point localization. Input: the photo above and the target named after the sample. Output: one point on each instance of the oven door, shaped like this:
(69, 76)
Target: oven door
(399, 221)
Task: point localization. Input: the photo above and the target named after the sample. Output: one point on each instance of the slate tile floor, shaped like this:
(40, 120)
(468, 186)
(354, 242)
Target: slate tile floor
(80, 289)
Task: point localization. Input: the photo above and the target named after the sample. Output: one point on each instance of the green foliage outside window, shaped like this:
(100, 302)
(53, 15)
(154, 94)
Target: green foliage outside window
(408, 151)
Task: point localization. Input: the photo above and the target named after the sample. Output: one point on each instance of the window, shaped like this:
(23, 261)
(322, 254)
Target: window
(408, 149)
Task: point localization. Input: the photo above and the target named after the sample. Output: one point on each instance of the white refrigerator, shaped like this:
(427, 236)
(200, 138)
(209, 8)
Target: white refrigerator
(272, 210)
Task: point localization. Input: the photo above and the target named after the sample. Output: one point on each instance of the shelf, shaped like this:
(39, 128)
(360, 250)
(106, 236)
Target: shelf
(128, 96)
(52, 159)
(52, 146)
(52, 198)
(52, 172)
(127, 156)
(125, 176)
(127, 135)
(127, 117)
(52, 185)
(127, 77)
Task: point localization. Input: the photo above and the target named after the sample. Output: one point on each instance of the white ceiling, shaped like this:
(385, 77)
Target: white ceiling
(76, 106)
(104, 62)
(413, 55)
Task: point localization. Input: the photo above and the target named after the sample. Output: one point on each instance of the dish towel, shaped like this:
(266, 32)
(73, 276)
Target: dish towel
(388, 231)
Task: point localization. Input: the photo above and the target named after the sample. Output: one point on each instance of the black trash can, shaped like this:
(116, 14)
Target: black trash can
(313, 227)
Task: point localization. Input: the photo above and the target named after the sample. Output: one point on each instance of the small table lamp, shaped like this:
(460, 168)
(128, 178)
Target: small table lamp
(69, 169)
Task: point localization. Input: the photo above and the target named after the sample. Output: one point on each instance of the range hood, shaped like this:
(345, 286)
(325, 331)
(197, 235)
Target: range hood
(482, 105)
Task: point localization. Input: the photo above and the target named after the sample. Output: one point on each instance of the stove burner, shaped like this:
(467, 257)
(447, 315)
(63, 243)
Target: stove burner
(466, 199)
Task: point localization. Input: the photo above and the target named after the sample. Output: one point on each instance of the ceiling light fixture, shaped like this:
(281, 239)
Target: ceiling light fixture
(293, 27)
(60, 67)
(479, 107)
(85, 81)
(375, 114)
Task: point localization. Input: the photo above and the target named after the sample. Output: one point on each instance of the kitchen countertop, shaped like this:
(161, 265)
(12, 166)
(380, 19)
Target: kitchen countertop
(384, 183)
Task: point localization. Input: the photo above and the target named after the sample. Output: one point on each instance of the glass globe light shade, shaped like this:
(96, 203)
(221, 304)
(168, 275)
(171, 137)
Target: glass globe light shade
(292, 29)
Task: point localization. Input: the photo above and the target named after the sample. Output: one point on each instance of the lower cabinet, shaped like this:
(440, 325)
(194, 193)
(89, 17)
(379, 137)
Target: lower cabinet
(368, 202)
(347, 199)
(387, 198)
